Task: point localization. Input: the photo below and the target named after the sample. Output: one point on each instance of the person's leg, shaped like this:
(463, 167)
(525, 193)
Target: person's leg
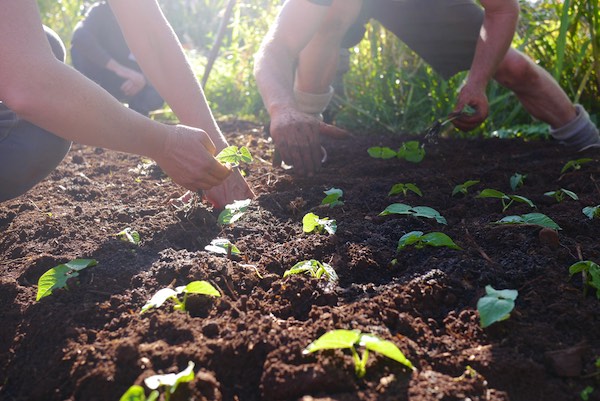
(146, 100)
(28, 153)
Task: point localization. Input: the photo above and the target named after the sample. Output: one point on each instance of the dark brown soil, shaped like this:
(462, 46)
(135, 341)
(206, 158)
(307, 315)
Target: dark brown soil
(89, 342)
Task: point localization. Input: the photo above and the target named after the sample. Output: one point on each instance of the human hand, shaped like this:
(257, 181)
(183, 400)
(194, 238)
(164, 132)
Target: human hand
(233, 188)
(134, 82)
(476, 98)
(187, 157)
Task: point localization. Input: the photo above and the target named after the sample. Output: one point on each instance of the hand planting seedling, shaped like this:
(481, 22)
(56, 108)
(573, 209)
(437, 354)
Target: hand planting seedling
(233, 212)
(333, 197)
(420, 240)
(195, 287)
(170, 381)
(417, 211)
(311, 222)
(222, 246)
(404, 188)
(575, 164)
(590, 273)
(379, 152)
(464, 187)
(591, 211)
(536, 219)
(496, 305)
(314, 268)
(350, 339)
(129, 235)
(58, 276)
(559, 194)
(411, 151)
(507, 200)
(517, 181)
(232, 156)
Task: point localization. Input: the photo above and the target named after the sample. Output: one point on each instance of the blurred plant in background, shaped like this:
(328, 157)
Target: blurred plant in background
(387, 86)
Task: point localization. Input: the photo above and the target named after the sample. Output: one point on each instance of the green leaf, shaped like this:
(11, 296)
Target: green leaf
(428, 212)
(233, 212)
(517, 180)
(57, 276)
(129, 235)
(404, 188)
(411, 151)
(234, 156)
(538, 219)
(378, 152)
(397, 208)
(409, 239)
(171, 380)
(385, 348)
(159, 298)
(313, 267)
(333, 197)
(311, 222)
(591, 211)
(464, 187)
(496, 305)
(575, 164)
(522, 199)
(335, 339)
(439, 239)
(134, 393)
(492, 193)
(222, 246)
(201, 287)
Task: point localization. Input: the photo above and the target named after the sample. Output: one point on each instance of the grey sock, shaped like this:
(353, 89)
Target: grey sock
(579, 134)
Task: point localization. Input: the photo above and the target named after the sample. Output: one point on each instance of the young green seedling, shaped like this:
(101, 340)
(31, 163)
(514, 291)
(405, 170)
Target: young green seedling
(170, 381)
(586, 392)
(165, 294)
(314, 268)
(404, 188)
(233, 156)
(222, 246)
(517, 181)
(536, 219)
(350, 339)
(233, 212)
(333, 197)
(129, 235)
(496, 305)
(382, 152)
(58, 276)
(590, 272)
(591, 211)
(507, 200)
(313, 223)
(420, 240)
(575, 164)
(417, 211)
(411, 151)
(464, 187)
(559, 194)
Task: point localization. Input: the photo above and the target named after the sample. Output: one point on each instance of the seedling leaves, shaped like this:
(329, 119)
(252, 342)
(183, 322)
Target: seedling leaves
(333, 197)
(496, 305)
(233, 155)
(420, 240)
(507, 200)
(164, 294)
(222, 246)
(385, 348)
(559, 194)
(334, 339)
(517, 180)
(417, 211)
(233, 212)
(404, 188)
(591, 211)
(171, 380)
(315, 268)
(134, 393)
(411, 151)
(538, 219)
(311, 222)
(58, 276)
(464, 187)
(378, 152)
(575, 164)
(590, 272)
(129, 235)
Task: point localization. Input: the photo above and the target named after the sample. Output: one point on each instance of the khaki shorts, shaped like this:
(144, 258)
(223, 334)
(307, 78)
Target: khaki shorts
(443, 32)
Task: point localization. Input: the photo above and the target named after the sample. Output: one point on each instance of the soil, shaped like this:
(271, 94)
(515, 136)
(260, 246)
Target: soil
(90, 342)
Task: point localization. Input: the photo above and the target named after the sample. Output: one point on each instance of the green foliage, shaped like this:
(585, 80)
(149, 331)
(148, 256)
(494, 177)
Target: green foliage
(420, 240)
(311, 222)
(222, 246)
(58, 276)
(195, 287)
(517, 181)
(350, 339)
(507, 200)
(411, 151)
(171, 381)
(333, 197)
(129, 235)
(591, 211)
(559, 194)
(417, 211)
(233, 212)
(575, 164)
(590, 272)
(585, 393)
(464, 187)
(496, 305)
(233, 156)
(536, 219)
(314, 268)
(403, 189)
(379, 152)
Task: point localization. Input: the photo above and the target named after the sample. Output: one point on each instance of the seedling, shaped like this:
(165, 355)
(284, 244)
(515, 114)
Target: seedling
(333, 197)
(222, 246)
(590, 272)
(536, 219)
(507, 200)
(591, 211)
(311, 222)
(171, 381)
(58, 276)
(559, 194)
(420, 240)
(464, 187)
(517, 181)
(233, 212)
(404, 188)
(350, 339)
(417, 211)
(129, 235)
(379, 152)
(411, 151)
(586, 392)
(496, 305)
(164, 294)
(314, 268)
(233, 156)
(575, 164)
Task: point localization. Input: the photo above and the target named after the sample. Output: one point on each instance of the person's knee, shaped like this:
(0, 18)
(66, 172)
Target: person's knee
(57, 45)
(517, 71)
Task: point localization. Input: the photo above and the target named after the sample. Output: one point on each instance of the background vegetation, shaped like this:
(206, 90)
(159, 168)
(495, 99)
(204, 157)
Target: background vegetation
(387, 86)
